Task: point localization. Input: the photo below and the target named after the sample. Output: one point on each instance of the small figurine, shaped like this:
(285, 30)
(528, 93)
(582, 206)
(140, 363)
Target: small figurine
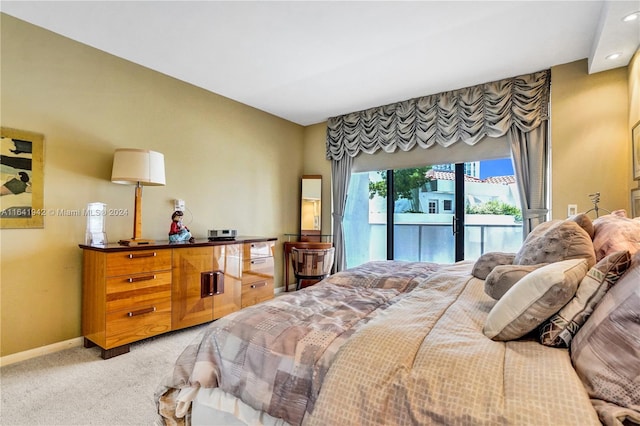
(178, 231)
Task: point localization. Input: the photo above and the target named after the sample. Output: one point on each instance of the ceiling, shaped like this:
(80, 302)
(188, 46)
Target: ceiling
(306, 61)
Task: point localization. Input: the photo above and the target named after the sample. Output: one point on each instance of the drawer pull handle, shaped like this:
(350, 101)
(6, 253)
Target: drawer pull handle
(142, 311)
(145, 278)
(258, 285)
(258, 261)
(139, 255)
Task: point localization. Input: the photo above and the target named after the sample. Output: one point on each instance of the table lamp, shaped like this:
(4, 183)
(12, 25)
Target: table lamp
(137, 167)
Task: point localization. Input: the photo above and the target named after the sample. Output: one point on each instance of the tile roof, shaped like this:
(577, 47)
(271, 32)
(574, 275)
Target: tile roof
(442, 175)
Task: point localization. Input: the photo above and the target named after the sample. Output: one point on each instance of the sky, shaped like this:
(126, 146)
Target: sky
(500, 167)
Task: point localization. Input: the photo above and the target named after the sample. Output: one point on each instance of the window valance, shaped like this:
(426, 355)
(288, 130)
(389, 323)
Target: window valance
(468, 114)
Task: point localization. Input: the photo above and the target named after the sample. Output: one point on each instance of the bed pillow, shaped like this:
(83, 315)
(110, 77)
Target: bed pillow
(584, 222)
(614, 233)
(534, 298)
(554, 241)
(558, 330)
(485, 263)
(503, 277)
(606, 349)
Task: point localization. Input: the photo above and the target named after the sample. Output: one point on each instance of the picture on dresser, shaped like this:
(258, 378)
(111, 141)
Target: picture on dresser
(21, 175)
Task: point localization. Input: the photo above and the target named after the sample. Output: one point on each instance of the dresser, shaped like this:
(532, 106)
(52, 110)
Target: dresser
(132, 293)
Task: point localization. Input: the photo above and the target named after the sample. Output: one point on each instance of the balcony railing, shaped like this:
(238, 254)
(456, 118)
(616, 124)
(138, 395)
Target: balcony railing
(432, 242)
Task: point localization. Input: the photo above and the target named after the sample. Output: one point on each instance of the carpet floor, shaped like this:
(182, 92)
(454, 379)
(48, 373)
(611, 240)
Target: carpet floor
(77, 387)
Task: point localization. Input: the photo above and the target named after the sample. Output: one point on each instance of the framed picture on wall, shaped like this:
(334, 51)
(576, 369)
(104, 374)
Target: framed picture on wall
(635, 143)
(635, 202)
(22, 179)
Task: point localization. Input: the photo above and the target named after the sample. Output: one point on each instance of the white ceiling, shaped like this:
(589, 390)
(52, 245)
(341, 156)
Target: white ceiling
(306, 61)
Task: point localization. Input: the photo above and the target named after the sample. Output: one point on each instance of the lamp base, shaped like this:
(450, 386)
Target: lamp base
(136, 242)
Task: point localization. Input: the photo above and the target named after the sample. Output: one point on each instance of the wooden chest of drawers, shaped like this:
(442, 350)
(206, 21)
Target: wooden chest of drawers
(257, 272)
(129, 294)
(127, 298)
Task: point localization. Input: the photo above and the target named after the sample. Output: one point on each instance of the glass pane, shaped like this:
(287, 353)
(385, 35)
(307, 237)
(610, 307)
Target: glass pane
(423, 212)
(493, 220)
(365, 219)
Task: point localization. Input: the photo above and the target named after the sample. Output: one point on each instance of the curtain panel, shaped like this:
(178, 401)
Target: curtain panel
(467, 115)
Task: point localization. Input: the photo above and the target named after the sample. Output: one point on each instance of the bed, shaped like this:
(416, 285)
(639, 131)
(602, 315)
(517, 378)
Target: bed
(476, 342)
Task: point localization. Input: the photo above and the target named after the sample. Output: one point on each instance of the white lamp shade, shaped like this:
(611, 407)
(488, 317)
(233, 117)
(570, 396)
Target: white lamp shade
(132, 166)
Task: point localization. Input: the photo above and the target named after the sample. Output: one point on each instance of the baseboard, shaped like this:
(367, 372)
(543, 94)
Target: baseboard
(44, 350)
(280, 290)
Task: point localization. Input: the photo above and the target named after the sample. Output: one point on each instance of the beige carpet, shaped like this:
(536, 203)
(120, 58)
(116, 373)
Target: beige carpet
(77, 387)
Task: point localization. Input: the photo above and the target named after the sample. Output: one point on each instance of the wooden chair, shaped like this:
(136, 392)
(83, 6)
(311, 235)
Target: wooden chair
(311, 264)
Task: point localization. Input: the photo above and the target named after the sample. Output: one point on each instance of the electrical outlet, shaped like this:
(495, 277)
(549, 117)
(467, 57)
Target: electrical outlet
(572, 209)
(179, 205)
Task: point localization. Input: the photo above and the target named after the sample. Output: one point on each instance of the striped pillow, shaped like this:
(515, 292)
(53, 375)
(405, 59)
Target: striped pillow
(558, 330)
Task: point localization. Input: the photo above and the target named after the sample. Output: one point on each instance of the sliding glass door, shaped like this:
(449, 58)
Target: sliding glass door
(441, 213)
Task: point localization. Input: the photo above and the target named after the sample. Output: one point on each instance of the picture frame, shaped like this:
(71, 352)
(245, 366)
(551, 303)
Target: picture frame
(635, 146)
(635, 202)
(22, 179)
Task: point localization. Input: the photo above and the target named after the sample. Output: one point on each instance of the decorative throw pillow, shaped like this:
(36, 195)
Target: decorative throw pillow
(558, 330)
(503, 277)
(554, 241)
(584, 222)
(605, 351)
(488, 261)
(534, 298)
(614, 233)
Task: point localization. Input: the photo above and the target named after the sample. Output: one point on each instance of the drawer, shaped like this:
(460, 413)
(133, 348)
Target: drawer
(256, 292)
(131, 282)
(136, 261)
(255, 269)
(258, 249)
(137, 299)
(148, 319)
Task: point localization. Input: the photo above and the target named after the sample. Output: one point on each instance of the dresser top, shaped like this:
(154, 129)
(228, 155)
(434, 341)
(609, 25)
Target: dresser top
(164, 244)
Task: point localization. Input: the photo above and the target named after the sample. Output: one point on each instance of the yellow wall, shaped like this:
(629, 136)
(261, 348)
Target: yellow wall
(590, 138)
(236, 167)
(634, 99)
(315, 163)
(634, 89)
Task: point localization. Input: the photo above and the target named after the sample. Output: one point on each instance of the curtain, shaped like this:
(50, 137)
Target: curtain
(340, 176)
(468, 115)
(513, 107)
(529, 155)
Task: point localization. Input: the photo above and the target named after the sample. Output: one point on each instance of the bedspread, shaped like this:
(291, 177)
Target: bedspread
(427, 362)
(274, 355)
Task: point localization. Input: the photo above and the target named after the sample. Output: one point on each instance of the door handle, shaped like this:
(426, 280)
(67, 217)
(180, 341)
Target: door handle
(211, 283)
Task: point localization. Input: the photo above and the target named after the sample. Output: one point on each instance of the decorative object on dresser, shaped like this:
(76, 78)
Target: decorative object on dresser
(132, 293)
(137, 167)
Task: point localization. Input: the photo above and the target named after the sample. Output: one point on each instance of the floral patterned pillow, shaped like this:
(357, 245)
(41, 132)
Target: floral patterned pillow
(615, 233)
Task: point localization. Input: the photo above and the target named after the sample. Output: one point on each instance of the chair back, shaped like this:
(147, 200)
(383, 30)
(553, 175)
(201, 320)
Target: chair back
(312, 262)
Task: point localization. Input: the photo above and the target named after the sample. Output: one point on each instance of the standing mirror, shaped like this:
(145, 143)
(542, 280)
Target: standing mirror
(311, 208)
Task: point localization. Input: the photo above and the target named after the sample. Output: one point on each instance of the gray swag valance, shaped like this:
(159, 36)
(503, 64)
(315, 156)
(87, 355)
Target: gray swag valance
(469, 114)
